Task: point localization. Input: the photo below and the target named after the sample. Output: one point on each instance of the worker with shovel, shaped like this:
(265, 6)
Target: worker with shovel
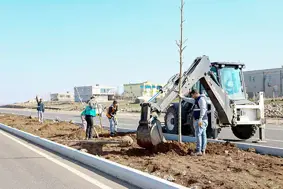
(111, 114)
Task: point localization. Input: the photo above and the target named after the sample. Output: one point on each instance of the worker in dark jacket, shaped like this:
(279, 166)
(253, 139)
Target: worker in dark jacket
(200, 120)
(111, 114)
(40, 109)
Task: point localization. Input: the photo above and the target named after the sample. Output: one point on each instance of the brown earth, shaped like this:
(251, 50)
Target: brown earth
(224, 165)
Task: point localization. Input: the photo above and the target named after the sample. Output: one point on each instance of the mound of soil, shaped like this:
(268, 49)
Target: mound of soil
(173, 146)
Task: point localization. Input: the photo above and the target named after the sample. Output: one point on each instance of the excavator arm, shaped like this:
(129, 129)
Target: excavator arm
(149, 132)
(197, 70)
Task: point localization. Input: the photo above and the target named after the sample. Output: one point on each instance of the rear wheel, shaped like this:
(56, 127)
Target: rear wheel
(244, 132)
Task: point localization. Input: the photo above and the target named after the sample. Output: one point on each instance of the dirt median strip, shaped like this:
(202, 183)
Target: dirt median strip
(261, 149)
(224, 166)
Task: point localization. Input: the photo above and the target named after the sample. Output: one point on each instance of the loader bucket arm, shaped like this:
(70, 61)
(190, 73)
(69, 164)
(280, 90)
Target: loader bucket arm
(197, 70)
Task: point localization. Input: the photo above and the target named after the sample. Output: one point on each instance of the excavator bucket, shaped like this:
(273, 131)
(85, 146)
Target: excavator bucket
(149, 132)
(150, 135)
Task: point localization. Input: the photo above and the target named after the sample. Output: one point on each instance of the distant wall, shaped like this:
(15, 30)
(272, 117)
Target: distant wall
(62, 97)
(269, 81)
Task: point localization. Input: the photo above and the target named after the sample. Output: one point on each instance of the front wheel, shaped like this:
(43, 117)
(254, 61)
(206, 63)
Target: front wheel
(244, 132)
(171, 121)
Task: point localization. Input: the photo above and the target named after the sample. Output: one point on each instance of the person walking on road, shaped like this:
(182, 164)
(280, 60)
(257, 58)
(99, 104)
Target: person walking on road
(200, 120)
(40, 109)
(111, 114)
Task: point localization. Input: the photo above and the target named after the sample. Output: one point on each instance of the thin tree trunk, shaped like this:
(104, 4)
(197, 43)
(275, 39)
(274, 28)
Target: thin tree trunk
(181, 49)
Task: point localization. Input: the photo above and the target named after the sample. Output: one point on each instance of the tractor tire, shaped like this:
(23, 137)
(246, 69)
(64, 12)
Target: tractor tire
(244, 132)
(171, 120)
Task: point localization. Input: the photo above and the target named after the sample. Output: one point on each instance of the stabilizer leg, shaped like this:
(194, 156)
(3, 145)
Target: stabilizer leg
(261, 135)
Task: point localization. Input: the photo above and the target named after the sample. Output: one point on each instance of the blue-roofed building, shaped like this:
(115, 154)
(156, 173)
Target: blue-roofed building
(144, 89)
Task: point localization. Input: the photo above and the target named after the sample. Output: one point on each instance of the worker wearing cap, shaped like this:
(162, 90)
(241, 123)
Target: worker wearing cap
(200, 120)
(40, 109)
(111, 113)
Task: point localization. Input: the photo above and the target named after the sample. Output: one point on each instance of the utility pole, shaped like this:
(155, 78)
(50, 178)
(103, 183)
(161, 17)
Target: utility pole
(181, 48)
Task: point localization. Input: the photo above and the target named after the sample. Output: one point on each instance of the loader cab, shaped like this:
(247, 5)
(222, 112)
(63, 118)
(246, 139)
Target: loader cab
(230, 78)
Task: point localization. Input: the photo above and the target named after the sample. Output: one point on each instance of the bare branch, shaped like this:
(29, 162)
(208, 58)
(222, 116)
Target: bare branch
(185, 41)
(178, 43)
(183, 48)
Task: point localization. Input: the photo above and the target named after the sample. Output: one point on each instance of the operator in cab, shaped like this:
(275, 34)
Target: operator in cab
(200, 120)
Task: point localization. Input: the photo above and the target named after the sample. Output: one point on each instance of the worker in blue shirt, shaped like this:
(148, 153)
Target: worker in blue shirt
(40, 109)
(200, 120)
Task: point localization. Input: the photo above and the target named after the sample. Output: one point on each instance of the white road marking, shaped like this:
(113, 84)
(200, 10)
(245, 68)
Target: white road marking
(71, 169)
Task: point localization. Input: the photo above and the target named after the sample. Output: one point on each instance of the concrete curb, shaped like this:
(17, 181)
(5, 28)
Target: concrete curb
(127, 174)
(267, 150)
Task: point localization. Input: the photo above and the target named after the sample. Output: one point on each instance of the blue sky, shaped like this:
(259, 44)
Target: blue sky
(51, 46)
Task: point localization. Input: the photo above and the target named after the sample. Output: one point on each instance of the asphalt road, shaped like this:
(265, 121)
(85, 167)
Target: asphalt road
(26, 166)
(129, 120)
(274, 133)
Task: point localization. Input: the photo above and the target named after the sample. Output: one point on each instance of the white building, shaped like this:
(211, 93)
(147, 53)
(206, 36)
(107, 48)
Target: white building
(102, 93)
